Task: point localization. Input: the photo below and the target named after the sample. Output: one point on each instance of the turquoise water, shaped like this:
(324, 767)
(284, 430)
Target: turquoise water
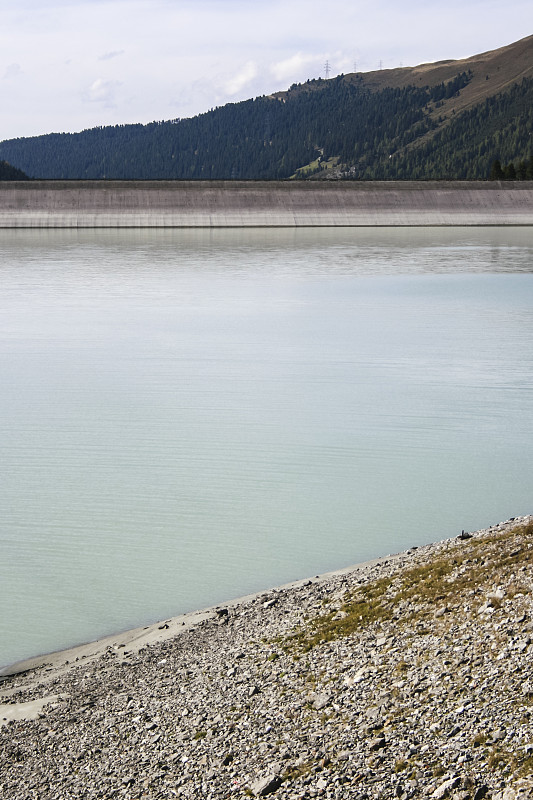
(188, 416)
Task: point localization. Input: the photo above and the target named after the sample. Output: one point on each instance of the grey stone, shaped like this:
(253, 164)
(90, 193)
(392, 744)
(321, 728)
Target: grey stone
(266, 785)
(377, 744)
(446, 788)
(321, 701)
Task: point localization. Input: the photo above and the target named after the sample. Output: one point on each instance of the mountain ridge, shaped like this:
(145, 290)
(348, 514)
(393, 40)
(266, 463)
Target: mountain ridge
(444, 120)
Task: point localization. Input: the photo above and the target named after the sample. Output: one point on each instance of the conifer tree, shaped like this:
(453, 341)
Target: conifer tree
(496, 171)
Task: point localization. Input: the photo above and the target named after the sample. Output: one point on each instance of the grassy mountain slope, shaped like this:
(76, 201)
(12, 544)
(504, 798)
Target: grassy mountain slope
(503, 66)
(449, 119)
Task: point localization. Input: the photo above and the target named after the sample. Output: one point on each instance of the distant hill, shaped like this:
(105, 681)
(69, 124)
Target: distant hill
(9, 173)
(446, 120)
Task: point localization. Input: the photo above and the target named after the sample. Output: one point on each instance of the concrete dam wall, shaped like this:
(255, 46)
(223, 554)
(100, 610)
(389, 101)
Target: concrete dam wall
(241, 204)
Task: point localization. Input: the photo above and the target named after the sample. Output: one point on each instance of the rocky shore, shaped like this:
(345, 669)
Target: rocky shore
(406, 678)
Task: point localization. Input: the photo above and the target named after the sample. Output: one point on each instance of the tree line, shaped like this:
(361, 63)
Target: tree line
(523, 171)
(9, 173)
(391, 134)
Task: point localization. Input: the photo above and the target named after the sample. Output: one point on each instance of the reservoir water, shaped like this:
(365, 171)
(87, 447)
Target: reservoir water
(189, 416)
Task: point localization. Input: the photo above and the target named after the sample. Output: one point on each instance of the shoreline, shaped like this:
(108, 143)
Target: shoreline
(136, 639)
(408, 676)
(263, 204)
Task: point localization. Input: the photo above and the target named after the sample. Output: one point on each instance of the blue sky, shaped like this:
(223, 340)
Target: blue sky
(72, 64)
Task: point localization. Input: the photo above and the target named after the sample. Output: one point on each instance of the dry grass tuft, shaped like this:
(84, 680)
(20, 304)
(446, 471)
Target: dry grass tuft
(469, 569)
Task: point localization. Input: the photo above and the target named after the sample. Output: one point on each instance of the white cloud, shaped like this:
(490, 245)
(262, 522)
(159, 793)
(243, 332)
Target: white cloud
(241, 79)
(110, 55)
(101, 91)
(12, 71)
(292, 69)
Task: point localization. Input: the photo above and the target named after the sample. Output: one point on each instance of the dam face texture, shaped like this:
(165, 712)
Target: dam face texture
(242, 204)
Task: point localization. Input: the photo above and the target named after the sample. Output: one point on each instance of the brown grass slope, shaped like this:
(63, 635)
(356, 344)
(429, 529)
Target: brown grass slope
(493, 72)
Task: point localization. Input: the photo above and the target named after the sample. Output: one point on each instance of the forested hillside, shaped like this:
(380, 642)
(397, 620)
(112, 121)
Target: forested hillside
(450, 120)
(497, 129)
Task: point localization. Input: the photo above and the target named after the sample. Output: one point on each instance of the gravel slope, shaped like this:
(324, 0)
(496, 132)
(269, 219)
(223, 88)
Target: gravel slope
(406, 678)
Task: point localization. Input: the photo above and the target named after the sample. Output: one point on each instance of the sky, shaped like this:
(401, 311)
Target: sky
(67, 65)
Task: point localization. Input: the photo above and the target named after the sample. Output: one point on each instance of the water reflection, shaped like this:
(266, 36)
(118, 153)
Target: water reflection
(366, 251)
